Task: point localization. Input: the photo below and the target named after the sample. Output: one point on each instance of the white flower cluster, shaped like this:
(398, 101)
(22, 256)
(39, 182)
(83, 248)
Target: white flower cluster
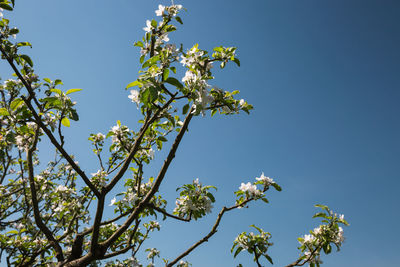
(193, 57)
(322, 236)
(267, 181)
(23, 141)
(250, 189)
(183, 263)
(134, 96)
(99, 137)
(195, 200)
(119, 133)
(184, 205)
(250, 241)
(170, 11)
(99, 178)
(153, 252)
(318, 234)
(50, 119)
(131, 262)
(153, 225)
(63, 190)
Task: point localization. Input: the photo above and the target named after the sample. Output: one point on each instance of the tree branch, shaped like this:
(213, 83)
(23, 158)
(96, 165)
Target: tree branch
(43, 127)
(35, 204)
(155, 186)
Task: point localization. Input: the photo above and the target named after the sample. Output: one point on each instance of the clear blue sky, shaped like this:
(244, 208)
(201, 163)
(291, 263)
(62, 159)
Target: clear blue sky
(323, 77)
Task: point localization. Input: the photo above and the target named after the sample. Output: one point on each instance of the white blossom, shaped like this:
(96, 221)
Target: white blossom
(113, 201)
(250, 189)
(148, 27)
(308, 239)
(160, 11)
(99, 137)
(134, 96)
(152, 253)
(266, 180)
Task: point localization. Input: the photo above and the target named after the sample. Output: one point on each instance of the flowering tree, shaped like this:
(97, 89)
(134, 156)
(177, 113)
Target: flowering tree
(53, 215)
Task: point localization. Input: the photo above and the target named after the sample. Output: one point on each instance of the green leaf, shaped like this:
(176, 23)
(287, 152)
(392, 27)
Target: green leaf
(162, 138)
(14, 31)
(27, 59)
(320, 214)
(4, 112)
(149, 95)
(174, 82)
(222, 65)
(65, 121)
(265, 200)
(236, 60)
(16, 103)
(277, 187)
(185, 109)
(218, 49)
(212, 198)
(13, 232)
(55, 90)
(327, 248)
(165, 74)
(237, 251)
(70, 91)
(154, 23)
(141, 59)
(57, 82)
(173, 69)
(74, 115)
(178, 19)
(138, 43)
(322, 207)
(151, 61)
(24, 44)
(47, 80)
(269, 258)
(132, 84)
(6, 7)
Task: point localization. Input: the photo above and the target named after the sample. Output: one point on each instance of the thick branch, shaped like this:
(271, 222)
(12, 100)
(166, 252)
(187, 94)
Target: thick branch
(35, 204)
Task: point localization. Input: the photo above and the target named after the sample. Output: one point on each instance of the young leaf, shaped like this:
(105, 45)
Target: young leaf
(55, 90)
(65, 121)
(132, 84)
(236, 61)
(178, 19)
(16, 103)
(269, 258)
(70, 91)
(4, 112)
(174, 82)
(47, 80)
(6, 7)
(27, 59)
(165, 74)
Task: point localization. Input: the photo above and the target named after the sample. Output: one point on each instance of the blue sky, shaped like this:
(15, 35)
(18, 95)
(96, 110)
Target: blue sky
(323, 77)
